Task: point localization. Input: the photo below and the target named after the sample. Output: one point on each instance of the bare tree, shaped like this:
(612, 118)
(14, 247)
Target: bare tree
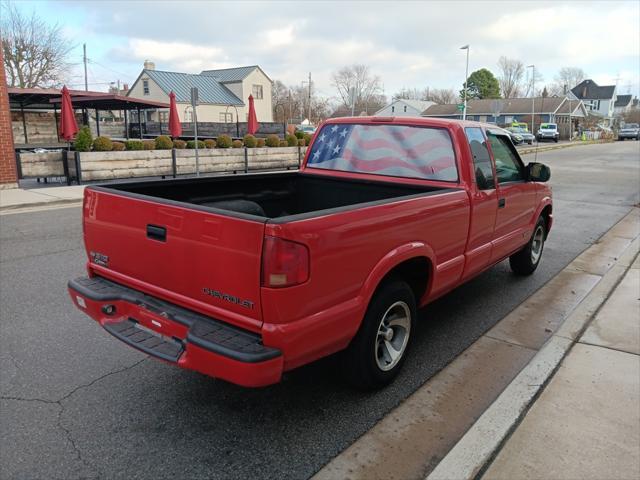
(291, 103)
(442, 96)
(510, 76)
(411, 94)
(35, 53)
(529, 84)
(366, 88)
(569, 77)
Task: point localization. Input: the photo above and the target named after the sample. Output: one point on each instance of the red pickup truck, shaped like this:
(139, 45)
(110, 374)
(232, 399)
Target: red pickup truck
(245, 277)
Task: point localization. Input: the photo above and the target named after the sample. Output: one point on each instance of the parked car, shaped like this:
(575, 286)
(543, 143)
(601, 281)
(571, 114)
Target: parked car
(524, 133)
(516, 138)
(548, 131)
(310, 129)
(630, 130)
(245, 277)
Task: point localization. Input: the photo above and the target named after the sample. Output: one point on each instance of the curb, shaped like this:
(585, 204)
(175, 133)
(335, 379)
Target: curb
(474, 452)
(526, 151)
(17, 208)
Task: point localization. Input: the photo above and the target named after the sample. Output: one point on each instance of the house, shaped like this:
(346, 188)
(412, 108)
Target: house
(222, 94)
(623, 104)
(403, 107)
(598, 100)
(504, 112)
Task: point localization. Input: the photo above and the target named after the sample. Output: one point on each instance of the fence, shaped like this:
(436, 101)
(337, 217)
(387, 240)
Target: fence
(209, 129)
(95, 166)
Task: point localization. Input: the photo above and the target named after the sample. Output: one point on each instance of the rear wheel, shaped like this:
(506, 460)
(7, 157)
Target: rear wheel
(378, 351)
(525, 261)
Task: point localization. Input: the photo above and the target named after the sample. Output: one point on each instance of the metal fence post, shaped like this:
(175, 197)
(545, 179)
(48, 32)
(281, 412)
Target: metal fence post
(299, 157)
(19, 165)
(246, 160)
(78, 169)
(65, 166)
(174, 166)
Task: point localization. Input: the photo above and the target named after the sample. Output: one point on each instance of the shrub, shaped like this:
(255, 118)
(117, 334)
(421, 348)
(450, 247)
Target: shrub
(148, 144)
(260, 142)
(237, 144)
(117, 146)
(192, 144)
(83, 140)
(299, 134)
(250, 141)
(283, 143)
(292, 141)
(163, 142)
(224, 141)
(210, 143)
(134, 145)
(301, 142)
(102, 144)
(179, 144)
(307, 138)
(272, 141)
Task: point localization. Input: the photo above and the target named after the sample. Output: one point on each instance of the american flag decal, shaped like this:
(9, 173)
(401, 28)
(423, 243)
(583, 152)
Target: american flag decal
(394, 150)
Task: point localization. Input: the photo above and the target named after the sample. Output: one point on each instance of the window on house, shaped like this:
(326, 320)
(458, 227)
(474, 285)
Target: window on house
(405, 108)
(145, 87)
(226, 117)
(188, 115)
(164, 117)
(393, 109)
(257, 92)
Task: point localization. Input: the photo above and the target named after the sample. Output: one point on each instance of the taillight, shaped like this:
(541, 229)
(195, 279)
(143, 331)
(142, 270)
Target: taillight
(284, 263)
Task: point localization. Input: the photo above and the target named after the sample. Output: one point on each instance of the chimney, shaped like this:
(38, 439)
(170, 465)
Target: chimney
(149, 65)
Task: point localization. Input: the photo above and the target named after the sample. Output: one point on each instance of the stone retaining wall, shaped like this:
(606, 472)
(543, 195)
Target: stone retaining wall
(153, 163)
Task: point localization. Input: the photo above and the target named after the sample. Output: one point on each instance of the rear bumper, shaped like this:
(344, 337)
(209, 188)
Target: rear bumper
(177, 335)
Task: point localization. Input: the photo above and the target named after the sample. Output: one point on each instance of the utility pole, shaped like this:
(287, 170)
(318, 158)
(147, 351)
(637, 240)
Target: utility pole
(309, 114)
(466, 77)
(533, 95)
(84, 59)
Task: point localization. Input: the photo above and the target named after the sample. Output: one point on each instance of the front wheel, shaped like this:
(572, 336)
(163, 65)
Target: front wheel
(525, 261)
(378, 351)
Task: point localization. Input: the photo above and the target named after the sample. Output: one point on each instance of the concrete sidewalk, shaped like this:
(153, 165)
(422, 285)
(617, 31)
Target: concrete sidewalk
(20, 198)
(586, 423)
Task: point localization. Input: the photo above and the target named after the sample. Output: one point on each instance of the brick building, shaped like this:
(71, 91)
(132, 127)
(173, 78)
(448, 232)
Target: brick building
(8, 172)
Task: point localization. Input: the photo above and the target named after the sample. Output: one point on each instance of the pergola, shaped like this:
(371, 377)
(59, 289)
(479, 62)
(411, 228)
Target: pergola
(114, 102)
(49, 98)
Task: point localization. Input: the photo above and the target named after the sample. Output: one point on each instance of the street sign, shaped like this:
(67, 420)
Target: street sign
(461, 107)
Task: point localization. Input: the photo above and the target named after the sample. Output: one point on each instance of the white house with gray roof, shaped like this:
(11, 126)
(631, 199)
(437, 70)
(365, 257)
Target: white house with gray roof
(403, 107)
(222, 93)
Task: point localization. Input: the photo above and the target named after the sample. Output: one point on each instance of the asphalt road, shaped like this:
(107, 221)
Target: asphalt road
(76, 403)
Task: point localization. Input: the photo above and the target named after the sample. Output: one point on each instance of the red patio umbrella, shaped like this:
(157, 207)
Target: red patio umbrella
(68, 125)
(175, 128)
(252, 122)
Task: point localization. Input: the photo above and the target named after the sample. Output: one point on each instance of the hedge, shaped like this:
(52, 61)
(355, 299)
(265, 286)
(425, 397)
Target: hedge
(102, 144)
(163, 142)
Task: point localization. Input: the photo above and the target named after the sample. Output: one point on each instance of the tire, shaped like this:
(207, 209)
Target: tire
(525, 261)
(367, 362)
(555, 140)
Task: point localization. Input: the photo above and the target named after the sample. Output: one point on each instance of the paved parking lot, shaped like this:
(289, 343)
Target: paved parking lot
(75, 403)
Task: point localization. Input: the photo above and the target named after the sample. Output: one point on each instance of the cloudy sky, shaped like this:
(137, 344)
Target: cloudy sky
(408, 44)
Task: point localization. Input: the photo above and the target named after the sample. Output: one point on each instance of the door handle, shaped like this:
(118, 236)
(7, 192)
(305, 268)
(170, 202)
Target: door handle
(155, 232)
(501, 202)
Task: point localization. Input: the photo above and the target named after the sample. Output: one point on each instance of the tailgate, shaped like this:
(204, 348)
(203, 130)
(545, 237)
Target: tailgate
(204, 261)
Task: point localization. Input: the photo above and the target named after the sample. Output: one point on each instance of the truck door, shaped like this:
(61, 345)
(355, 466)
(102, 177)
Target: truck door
(516, 197)
(484, 204)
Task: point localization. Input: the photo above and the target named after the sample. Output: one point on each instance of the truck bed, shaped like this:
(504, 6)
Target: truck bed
(270, 196)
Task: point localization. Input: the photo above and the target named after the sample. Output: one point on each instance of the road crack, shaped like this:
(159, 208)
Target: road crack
(61, 410)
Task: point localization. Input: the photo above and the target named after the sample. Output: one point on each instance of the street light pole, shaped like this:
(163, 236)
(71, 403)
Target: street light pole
(466, 77)
(533, 96)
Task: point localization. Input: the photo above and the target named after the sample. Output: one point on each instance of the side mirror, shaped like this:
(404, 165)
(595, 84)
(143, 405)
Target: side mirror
(538, 172)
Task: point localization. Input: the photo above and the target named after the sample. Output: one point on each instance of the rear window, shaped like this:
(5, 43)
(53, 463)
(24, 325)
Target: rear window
(393, 150)
(631, 125)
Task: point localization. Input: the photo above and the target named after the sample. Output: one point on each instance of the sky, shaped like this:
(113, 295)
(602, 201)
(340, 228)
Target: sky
(407, 44)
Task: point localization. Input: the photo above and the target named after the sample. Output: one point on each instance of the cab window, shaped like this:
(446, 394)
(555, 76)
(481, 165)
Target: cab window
(509, 168)
(481, 159)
